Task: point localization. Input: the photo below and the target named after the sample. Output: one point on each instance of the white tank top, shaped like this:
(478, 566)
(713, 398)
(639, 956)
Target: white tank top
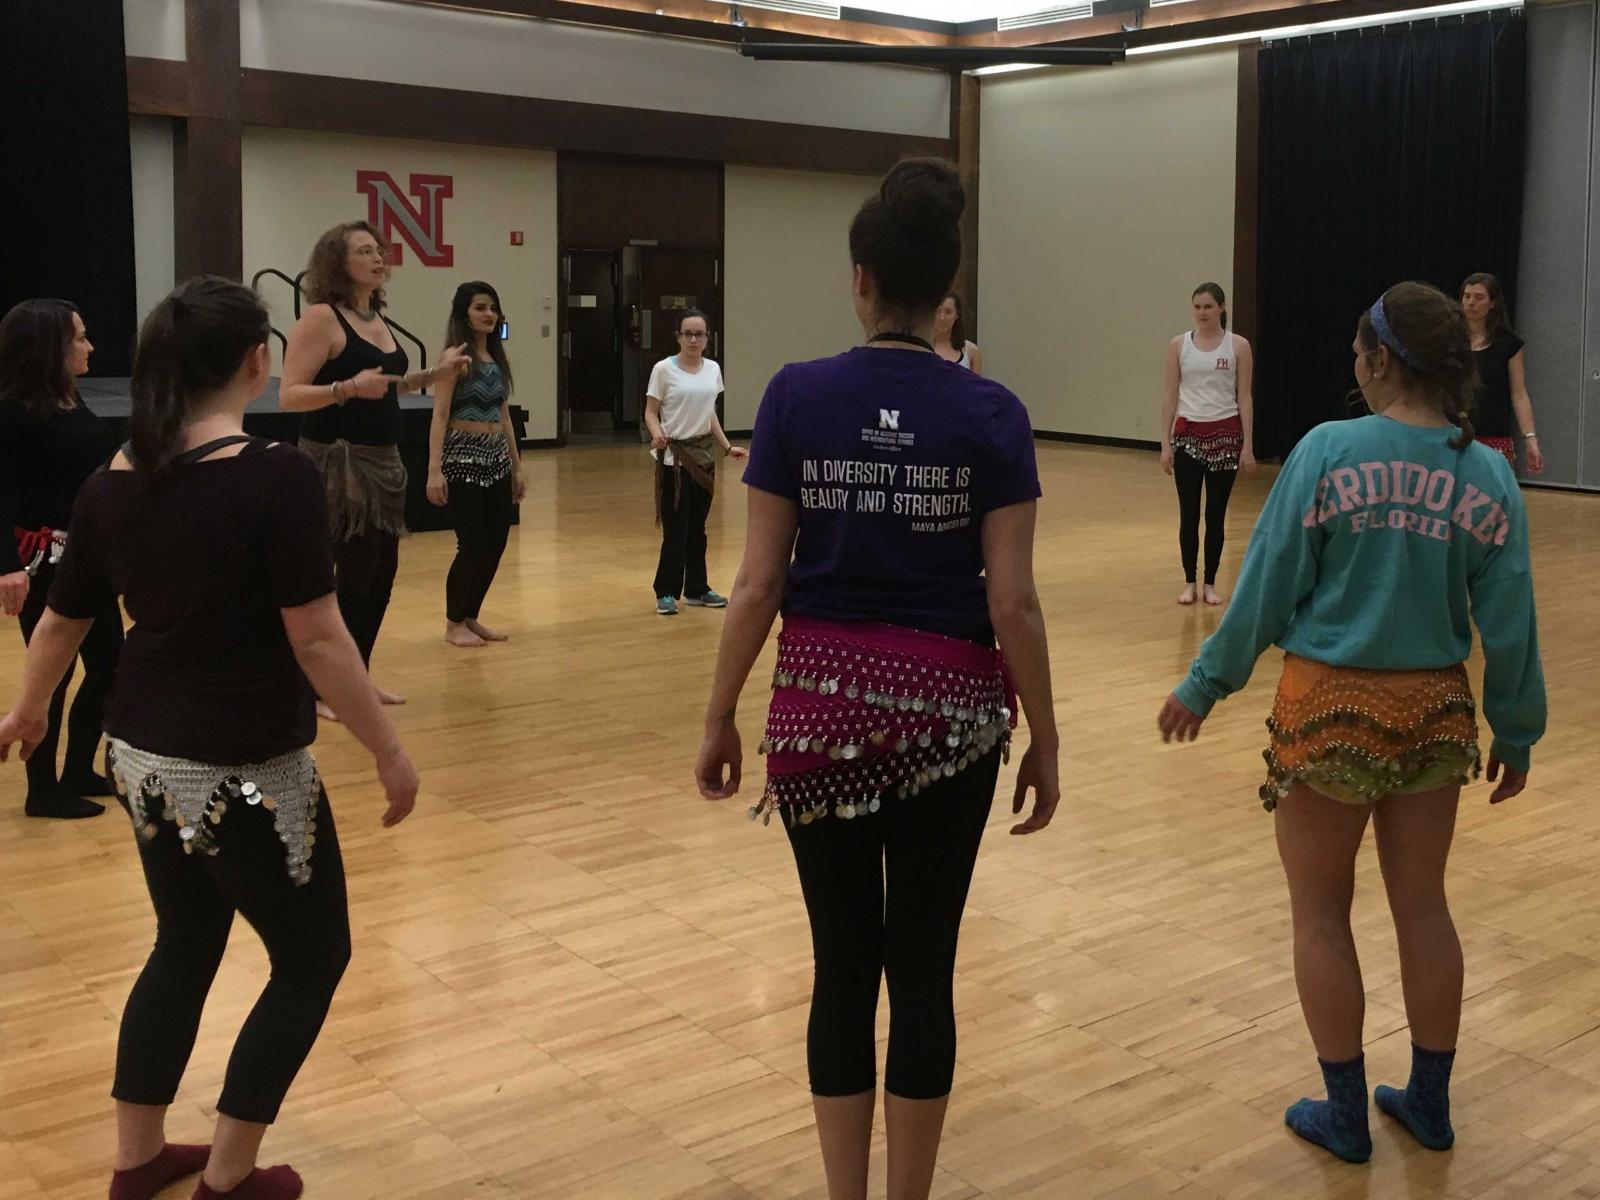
(1208, 380)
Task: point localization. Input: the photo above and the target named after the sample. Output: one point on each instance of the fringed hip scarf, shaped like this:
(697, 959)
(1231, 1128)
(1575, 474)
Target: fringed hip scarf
(196, 798)
(366, 487)
(1216, 444)
(36, 547)
(861, 711)
(698, 457)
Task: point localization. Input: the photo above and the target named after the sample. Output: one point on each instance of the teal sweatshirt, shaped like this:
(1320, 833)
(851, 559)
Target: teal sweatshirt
(1375, 543)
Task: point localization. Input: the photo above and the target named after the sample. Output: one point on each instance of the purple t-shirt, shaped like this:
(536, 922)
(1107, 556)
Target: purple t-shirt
(893, 457)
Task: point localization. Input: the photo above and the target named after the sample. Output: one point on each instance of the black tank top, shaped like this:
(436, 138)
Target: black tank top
(357, 421)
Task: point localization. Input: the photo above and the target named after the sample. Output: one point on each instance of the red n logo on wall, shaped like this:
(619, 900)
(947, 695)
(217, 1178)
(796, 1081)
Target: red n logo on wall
(422, 226)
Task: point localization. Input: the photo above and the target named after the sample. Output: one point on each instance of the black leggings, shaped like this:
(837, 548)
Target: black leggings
(101, 648)
(364, 570)
(1191, 476)
(306, 931)
(862, 931)
(481, 517)
(681, 569)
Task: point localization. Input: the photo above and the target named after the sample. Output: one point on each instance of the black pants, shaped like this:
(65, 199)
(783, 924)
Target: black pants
(885, 894)
(1191, 476)
(306, 931)
(681, 570)
(364, 570)
(100, 651)
(481, 517)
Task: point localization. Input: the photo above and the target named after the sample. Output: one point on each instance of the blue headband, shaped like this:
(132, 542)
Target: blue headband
(1380, 326)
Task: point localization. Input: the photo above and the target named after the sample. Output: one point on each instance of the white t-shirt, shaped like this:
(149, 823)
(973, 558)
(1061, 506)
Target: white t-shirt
(688, 402)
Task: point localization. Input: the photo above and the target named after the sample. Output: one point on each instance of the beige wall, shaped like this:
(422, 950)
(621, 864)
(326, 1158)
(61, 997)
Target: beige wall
(298, 184)
(1106, 196)
(480, 51)
(787, 290)
(154, 255)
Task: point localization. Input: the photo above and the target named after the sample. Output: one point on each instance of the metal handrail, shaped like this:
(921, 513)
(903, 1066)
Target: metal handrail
(299, 295)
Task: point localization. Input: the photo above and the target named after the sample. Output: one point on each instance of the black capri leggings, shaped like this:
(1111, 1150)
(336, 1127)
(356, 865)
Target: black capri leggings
(885, 894)
(306, 931)
(1191, 476)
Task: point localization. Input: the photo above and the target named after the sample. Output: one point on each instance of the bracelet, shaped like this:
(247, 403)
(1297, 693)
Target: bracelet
(333, 390)
(1530, 435)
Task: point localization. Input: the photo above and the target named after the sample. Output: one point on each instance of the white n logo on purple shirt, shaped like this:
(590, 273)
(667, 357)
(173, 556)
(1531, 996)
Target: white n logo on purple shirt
(889, 418)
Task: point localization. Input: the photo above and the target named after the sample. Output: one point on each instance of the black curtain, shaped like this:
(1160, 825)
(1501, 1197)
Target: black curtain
(66, 214)
(1385, 155)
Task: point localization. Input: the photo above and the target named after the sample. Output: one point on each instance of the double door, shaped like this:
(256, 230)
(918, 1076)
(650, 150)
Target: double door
(620, 307)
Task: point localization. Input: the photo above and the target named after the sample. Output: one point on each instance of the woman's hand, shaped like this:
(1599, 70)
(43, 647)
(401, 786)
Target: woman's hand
(1177, 721)
(519, 488)
(1166, 458)
(371, 384)
(29, 729)
(658, 441)
(1511, 785)
(400, 784)
(738, 452)
(453, 364)
(1039, 770)
(438, 489)
(1535, 458)
(14, 591)
(720, 750)
(1247, 459)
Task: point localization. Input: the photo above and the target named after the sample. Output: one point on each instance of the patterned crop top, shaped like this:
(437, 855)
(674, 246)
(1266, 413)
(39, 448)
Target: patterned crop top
(479, 394)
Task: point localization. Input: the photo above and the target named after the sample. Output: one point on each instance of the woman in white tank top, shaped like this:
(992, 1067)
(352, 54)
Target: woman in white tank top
(1206, 425)
(950, 341)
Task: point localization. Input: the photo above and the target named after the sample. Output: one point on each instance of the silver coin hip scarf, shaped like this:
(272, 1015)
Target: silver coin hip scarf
(197, 797)
(862, 713)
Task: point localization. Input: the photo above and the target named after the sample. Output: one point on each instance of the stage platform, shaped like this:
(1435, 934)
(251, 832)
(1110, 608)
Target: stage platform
(110, 397)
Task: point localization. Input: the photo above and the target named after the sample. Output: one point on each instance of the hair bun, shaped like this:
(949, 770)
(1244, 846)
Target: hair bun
(924, 195)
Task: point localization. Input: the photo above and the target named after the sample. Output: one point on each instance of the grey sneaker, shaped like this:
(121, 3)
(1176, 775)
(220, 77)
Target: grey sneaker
(709, 600)
(667, 606)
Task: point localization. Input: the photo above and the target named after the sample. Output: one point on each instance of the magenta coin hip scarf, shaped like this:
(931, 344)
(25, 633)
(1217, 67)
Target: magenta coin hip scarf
(863, 711)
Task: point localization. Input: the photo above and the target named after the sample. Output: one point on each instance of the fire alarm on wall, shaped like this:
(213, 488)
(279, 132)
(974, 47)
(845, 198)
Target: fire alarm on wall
(516, 237)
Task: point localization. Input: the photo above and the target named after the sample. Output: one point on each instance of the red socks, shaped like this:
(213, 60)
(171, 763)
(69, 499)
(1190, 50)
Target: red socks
(271, 1183)
(172, 1164)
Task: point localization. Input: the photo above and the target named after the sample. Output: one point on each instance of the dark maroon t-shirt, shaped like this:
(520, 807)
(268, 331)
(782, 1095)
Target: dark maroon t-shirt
(203, 557)
(894, 457)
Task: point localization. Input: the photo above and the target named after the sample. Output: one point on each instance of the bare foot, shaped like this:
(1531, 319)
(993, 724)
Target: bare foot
(388, 698)
(327, 714)
(1188, 595)
(461, 634)
(1212, 598)
(484, 631)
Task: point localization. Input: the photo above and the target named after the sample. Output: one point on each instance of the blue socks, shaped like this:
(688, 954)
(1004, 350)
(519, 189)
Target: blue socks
(1339, 1123)
(1424, 1106)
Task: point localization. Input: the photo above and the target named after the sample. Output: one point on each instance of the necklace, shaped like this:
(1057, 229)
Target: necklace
(365, 316)
(904, 337)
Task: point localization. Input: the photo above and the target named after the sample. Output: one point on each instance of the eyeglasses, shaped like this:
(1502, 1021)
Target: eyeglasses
(693, 335)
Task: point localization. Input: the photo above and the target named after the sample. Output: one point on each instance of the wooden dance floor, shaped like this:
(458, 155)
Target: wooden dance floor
(574, 978)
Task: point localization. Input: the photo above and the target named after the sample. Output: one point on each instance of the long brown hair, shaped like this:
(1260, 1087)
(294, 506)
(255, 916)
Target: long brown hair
(459, 328)
(1437, 350)
(34, 339)
(958, 331)
(328, 275)
(1498, 324)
